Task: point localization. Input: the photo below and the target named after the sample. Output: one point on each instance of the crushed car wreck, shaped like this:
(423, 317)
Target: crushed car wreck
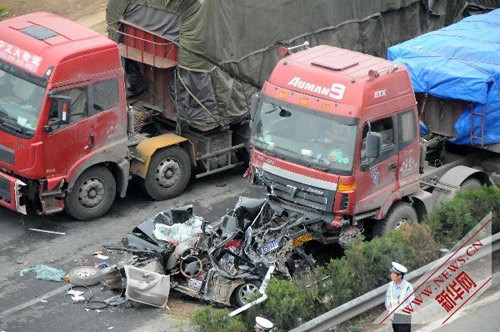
(227, 262)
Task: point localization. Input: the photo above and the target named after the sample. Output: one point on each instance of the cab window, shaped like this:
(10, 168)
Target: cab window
(407, 124)
(105, 95)
(386, 128)
(79, 105)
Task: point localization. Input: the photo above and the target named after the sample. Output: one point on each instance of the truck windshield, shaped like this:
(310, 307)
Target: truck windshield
(312, 138)
(20, 103)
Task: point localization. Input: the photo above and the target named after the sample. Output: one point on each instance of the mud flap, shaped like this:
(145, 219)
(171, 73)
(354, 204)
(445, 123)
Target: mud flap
(147, 287)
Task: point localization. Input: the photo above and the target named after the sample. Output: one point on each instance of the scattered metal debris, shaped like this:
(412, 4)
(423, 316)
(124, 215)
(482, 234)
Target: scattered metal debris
(227, 262)
(147, 287)
(46, 231)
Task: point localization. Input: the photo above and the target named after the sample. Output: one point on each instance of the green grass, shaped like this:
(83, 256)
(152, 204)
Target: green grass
(3, 11)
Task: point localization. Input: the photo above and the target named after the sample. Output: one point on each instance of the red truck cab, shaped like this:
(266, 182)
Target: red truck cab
(63, 121)
(328, 139)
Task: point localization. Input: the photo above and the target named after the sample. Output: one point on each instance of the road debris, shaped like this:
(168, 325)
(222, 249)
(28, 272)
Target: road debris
(77, 294)
(46, 231)
(81, 261)
(102, 265)
(85, 276)
(44, 272)
(100, 255)
(227, 262)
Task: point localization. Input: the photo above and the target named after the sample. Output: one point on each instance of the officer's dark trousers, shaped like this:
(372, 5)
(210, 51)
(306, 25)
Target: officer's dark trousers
(401, 323)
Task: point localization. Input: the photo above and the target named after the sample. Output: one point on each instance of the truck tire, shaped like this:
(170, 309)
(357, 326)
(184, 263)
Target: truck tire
(168, 174)
(92, 195)
(399, 213)
(85, 276)
(470, 184)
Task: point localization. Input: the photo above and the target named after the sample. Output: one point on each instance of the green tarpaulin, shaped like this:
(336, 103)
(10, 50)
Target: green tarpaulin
(229, 47)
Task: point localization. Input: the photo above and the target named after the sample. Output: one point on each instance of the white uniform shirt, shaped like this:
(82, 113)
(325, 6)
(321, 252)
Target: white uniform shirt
(397, 289)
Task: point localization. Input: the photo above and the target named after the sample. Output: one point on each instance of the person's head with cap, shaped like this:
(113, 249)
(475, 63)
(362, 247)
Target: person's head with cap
(262, 324)
(397, 272)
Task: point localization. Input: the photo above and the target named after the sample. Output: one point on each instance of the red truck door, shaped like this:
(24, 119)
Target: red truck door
(97, 121)
(376, 180)
(66, 144)
(108, 125)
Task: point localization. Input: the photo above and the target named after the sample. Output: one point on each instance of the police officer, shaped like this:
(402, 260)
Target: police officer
(399, 295)
(263, 325)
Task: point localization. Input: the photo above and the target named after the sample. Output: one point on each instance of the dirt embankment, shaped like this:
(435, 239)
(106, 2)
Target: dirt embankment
(91, 13)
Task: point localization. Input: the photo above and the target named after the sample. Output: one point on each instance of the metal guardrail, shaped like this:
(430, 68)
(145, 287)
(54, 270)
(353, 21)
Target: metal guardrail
(375, 297)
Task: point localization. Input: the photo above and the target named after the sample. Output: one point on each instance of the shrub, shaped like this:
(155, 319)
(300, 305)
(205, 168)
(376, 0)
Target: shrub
(454, 218)
(289, 303)
(334, 283)
(422, 248)
(208, 319)
(369, 262)
(3, 11)
(365, 265)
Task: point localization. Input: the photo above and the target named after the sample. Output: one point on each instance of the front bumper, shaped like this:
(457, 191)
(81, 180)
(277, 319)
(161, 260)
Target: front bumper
(11, 193)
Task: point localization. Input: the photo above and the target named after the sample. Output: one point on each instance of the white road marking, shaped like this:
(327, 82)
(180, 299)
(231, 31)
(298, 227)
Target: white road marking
(36, 300)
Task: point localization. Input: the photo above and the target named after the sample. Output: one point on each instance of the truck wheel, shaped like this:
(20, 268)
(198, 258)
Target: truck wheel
(168, 173)
(246, 293)
(92, 195)
(470, 184)
(400, 213)
(443, 196)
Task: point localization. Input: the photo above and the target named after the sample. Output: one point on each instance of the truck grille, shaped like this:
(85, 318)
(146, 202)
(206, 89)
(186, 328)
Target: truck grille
(301, 194)
(4, 190)
(6, 155)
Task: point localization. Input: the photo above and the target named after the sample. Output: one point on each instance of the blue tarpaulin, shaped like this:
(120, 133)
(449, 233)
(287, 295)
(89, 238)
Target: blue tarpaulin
(461, 61)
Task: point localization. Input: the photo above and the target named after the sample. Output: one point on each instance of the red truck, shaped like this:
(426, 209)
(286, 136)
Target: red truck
(69, 141)
(335, 137)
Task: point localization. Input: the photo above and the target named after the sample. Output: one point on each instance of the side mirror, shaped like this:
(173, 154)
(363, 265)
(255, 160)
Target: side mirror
(373, 144)
(63, 108)
(254, 103)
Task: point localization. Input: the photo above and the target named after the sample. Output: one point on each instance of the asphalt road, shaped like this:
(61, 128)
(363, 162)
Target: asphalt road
(480, 315)
(28, 304)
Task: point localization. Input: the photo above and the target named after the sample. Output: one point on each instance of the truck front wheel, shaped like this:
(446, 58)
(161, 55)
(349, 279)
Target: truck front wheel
(399, 214)
(168, 174)
(92, 195)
